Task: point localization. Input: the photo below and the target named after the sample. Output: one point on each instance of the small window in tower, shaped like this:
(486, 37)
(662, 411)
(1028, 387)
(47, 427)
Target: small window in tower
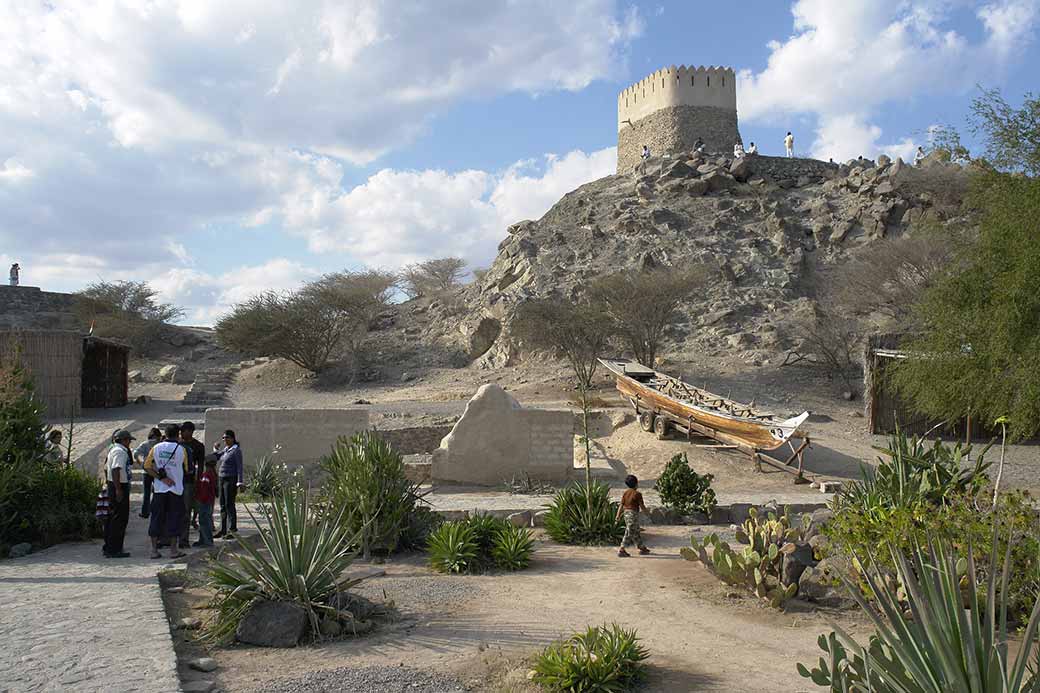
(709, 81)
(691, 80)
(662, 82)
(723, 81)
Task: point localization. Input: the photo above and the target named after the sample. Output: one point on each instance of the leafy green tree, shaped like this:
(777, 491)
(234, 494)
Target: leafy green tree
(126, 310)
(978, 350)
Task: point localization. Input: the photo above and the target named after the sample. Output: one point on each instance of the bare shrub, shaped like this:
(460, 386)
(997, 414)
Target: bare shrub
(424, 278)
(830, 341)
(126, 310)
(642, 303)
(889, 276)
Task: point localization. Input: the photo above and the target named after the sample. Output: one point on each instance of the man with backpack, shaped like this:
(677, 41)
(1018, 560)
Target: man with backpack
(166, 463)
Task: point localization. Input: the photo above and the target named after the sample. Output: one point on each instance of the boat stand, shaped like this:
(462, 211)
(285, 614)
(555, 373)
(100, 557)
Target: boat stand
(659, 421)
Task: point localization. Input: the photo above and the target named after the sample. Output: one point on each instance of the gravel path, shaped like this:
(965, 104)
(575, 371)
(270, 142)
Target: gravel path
(369, 679)
(71, 620)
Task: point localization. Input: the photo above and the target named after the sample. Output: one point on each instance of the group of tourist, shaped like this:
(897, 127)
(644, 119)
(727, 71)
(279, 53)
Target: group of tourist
(181, 485)
(738, 151)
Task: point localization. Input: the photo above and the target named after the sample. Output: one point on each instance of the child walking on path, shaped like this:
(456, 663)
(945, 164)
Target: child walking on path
(205, 495)
(631, 504)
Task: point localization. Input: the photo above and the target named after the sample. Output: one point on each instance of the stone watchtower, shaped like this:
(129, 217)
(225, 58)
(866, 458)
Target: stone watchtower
(674, 106)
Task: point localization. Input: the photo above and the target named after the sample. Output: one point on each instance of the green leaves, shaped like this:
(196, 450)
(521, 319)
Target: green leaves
(603, 659)
(582, 514)
(300, 558)
(942, 646)
(683, 489)
(366, 475)
(477, 543)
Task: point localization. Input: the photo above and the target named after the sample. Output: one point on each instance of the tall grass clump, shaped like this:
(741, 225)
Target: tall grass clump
(582, 514)
(603, 658)
(300, 558)
(366, 475)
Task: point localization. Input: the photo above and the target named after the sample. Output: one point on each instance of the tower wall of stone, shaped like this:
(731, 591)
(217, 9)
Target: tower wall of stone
(676, 129)
(673, 107)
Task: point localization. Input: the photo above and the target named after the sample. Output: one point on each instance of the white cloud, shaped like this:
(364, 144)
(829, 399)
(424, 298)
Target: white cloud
(845, 60)
(397, 217)
(393, 218)
(14, 171)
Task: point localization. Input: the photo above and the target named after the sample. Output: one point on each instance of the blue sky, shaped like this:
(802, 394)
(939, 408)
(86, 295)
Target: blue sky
(217, 149)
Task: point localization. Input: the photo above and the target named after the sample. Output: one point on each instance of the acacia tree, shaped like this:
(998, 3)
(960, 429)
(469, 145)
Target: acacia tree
(432, 276)
(642, 303)
(324, 319)
(126, 310)
(580, 332)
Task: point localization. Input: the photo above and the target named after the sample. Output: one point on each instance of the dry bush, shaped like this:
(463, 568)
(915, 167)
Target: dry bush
(830, 340)
(126, 310)
(888, 277)
(642, 303)
(431, 276)
(326, 319)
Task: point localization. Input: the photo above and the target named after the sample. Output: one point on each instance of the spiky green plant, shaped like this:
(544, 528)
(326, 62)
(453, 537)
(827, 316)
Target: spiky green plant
(267, 477)
(951, 638)
(512, 547)
(485, 527)
(605, 659)
(453, 548)
(366, 474)
(300, 557)
(580, 516)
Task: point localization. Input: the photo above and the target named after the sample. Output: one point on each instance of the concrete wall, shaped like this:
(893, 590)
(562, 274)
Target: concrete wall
(26, 307)
(497, 439)
(415, 440)
(304, 435)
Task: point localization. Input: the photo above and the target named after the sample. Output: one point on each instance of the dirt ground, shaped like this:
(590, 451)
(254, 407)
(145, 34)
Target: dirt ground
(837, 427)
(486, 629)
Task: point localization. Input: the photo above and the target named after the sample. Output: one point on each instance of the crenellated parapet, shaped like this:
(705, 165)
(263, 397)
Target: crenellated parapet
(674, 107)
(678, 86)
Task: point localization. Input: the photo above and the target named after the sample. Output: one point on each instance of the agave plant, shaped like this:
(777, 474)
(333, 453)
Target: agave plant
(267, 477)
(951, 639)
(300, 558)
(512, 548)
(603, 658)
(453, 548)
(582, 514)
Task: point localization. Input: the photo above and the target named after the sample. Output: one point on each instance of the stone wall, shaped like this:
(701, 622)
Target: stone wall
(781, 168)
(305, 435)
(497, 439)
(416, 440)
(26, 307)
(675, 129)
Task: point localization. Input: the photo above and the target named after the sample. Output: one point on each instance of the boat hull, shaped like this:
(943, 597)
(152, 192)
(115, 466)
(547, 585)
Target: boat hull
(757, 433)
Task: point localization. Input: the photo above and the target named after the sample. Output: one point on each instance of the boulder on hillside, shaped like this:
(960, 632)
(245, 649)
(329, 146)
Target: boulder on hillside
(740, 169)
(272, 624)
(166, 374)
(717, 180)
(677, 169)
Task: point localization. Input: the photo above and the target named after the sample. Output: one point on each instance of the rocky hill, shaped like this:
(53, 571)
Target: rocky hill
(769, 225)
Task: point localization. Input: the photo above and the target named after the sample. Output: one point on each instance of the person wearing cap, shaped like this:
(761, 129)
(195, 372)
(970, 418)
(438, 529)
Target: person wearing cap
(117, 477)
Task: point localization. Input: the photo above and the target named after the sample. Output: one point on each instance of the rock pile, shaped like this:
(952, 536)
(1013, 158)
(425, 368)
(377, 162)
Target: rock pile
(768, 225)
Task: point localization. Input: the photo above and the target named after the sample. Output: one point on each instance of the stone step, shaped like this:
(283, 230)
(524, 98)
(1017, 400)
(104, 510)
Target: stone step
(191, 408)
(200, 423)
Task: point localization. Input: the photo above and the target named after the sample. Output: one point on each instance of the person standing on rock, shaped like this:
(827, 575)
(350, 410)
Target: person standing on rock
(140, 455)
(752, 149)
(643, 158)
(919, 156)
(117, 478)
(15, 269)
(789, 145)
(196, 458)
(166, 463)
(231, 473)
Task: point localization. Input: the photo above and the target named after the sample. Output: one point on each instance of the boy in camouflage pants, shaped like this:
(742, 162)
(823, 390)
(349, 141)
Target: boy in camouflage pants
(631, 504)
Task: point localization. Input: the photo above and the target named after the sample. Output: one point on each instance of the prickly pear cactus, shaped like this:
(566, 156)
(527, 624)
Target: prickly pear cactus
(757, 571)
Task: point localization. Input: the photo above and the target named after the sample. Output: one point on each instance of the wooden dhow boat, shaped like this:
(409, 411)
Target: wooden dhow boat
(663, 403)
